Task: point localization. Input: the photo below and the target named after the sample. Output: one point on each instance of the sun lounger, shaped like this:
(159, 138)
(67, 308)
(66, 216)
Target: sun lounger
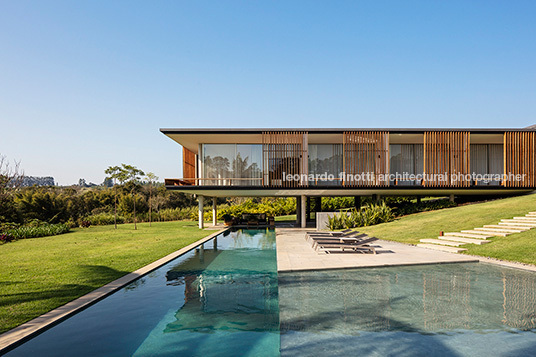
(359, 247)
(327, 240)
(349, 233)
(330, 233)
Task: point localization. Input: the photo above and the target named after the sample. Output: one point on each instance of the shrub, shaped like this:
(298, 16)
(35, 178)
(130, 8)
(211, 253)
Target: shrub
(43, 230)
(85, 224)
(366, 216)
(6, 238)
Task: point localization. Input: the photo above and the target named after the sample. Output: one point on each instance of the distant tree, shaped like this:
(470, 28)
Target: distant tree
(114, 173)
(151, 178)
(10, 181)
(132, 174)
(82, 182)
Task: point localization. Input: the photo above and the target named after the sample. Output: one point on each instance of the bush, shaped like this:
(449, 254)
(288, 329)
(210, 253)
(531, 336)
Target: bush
(366, 216)
(6, 238)
(43, 230)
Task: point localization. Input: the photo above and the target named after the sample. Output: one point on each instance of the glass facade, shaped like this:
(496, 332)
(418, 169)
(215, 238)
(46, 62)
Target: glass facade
(232, 164)
(487, 159)
(325, 164)
(406, 160)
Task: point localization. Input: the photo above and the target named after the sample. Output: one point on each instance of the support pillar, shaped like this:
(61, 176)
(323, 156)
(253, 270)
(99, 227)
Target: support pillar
(318, 204)
(298, 210)
(357, 202)
(418, 200)
(451, 198)
(375, 198)
(214, 212)
(303, 214)
(201, 211)
(308, 210)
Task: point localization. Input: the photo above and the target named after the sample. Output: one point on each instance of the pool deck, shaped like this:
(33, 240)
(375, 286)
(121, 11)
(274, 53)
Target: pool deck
(294, 253)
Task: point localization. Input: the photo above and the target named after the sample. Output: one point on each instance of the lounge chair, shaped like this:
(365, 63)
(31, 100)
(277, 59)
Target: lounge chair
(350, 234)
(360, 246)
(326, 240)
(329, 233)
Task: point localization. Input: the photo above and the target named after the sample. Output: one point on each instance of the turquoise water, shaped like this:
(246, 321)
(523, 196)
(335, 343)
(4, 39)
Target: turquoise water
(218, 301)
(471, 309)
(228, 300)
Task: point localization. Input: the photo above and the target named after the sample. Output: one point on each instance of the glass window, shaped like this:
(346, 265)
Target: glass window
(232, 164)
(325, 163)
(487, 159)
(406, 160)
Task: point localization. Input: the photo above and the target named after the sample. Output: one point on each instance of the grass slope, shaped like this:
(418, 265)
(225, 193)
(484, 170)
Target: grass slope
(519, 247)
(41, 274)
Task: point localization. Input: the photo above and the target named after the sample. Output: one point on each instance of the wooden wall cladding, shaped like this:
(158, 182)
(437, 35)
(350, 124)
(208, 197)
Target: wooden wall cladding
(188, 166)
(519, 158)
(446, 152)
(285, 153)
(366, 152)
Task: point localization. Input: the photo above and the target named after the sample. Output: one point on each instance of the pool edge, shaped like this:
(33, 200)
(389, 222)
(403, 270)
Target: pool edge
(14, 337)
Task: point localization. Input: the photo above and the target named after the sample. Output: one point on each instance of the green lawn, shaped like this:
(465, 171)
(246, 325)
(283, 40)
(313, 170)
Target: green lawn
(41, 274)
(519, 247)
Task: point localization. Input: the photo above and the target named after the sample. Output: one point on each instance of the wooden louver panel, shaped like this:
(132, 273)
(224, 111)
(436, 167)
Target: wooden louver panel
(188, 166)
(447, 159)
(366, 158)
(285, 153)
(519, 158)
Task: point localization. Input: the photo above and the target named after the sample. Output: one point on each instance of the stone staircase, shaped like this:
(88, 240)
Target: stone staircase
(452, 241)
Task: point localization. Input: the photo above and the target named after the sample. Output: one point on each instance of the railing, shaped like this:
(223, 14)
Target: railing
(214, 181)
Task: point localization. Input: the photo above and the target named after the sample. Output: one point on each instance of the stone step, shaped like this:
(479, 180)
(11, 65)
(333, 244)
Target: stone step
(491, 233)
(468, 235)
(518, 222)
(532, 212)
(530, 215)
(509, 227)
(441, 248)
(499, 230)
(442, 242)
(530, 219)
(464, 240)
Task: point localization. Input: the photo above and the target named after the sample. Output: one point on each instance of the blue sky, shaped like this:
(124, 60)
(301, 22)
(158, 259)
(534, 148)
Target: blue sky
(87, 84)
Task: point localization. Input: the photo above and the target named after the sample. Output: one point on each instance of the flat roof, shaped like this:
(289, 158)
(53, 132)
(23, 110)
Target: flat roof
(190, 138)
(331, 130)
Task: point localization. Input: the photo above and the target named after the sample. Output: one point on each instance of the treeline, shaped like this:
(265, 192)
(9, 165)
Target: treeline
(74, 205)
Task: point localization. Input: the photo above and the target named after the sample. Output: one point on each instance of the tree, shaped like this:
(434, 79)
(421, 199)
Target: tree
(114, 173)
(151, 178)
(11, 178)
(132, 174)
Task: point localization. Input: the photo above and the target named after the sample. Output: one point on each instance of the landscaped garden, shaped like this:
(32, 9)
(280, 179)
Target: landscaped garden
(520, 247)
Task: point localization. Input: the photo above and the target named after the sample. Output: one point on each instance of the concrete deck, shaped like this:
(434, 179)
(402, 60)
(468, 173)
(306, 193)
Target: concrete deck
(294, 253)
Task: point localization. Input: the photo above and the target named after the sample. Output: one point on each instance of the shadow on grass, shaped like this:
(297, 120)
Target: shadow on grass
(53, 296)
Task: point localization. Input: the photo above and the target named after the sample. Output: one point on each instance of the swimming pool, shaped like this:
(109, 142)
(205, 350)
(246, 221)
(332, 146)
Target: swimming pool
(463, 309)
(218, 300)
(227, 299)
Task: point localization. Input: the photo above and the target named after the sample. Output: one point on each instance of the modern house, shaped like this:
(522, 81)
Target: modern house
(308, 163)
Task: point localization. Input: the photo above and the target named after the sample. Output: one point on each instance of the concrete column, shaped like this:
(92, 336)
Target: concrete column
(375, 198)
(298, 210)
(215, 241)
(357, 202)
(303, 214)
(418, 199)
(451, 198)
(201, 211)
(214, 212)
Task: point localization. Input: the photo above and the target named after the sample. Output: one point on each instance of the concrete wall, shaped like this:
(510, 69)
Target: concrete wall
(322, 220)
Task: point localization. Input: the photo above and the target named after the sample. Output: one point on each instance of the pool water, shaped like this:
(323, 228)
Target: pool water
(226, 299)
(471, 309)
(216, 301)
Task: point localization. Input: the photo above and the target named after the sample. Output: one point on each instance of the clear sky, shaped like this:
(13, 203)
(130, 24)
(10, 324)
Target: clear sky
(87, 84)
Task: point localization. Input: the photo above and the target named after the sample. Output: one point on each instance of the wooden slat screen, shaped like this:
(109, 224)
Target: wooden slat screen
(188, 165)
(519, 158)
(285, 152)
(446, 152)
(366, 152)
